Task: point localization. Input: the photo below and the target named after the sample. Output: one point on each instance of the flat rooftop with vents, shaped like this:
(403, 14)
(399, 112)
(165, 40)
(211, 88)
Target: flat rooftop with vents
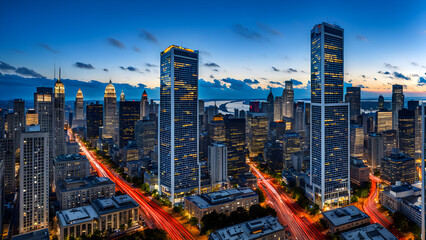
(371, 232)
(343, 219)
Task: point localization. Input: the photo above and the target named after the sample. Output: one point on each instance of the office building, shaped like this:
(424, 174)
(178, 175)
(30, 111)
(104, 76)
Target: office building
(43, 104)
(278, 108)
(255, 106)
(397, 103)
(345, 218)
(70, 166)
(235, 135)
(262, 228)
(381, 103)
(375, 150)
(129, 114)
(34, 180)
(269, 106)
(406, 131)
(216, 129)
(353, 97)
(110, 116)
(179, 171)
(144, 106)
(360, 173)
(274, 156)
(370, 232)
(288, 100)
(19, 111)
(357, 141)
(398, 167)
(32, 117)
(247, 179)
(329, 119)
(145, 131)
(224, 201)
(383, 121)
(218, 164)
(292, 143)
(77, 192)
(59, 117)
(94, 119)
(390, 141)
(79, 108)
(7, 154)
(257, 129)
(299, 118)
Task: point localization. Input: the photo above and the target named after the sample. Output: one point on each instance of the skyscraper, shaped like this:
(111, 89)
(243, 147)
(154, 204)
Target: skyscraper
(397, 103)
(79, 106)
(145, 132)
(218, 163)
(144, 105)
(357, 141)
(129, 114)
(43, 104)
(288, 99)
(31, 117)
(94, 118)
(216, 129)
(34, 180)
(381, 103)
(122, 96)
(59, 117)
(110, 120)
(406, 132)
(353, 97)
(383, 120)
(257, 129)
(329, 119)
(179, 171)
(235, 134)
(7, 154)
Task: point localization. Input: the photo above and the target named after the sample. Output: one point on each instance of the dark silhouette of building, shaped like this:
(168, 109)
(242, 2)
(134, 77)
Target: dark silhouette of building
(94, 119)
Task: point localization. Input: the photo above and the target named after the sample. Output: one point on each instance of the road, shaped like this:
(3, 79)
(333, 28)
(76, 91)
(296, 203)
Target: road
(155, 215)
(370, 208)
(289, 213)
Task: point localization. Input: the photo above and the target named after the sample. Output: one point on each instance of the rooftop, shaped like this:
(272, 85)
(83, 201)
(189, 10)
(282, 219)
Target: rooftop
(70, 158)
(371, 232)
(83, 183)
(341, 216)
(116, 203)
(76, 215)
(42, 234)
(253, 229)
(220, 197)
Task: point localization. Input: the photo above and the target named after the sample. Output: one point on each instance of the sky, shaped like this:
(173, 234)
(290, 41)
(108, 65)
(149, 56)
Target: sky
(245, 47)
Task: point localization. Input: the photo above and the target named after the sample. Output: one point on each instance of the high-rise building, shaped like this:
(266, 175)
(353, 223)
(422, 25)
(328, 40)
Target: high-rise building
(398, 167)
(34, 180)
(299, 117)
(59, 117)
(255, 106)
(218, 163)
(397, 103)
(216, 129)
(2, 123)
(288, 99)
(122, 96)
(110, 120)
(144, 105)
(357, 141)
(269, 106)
(79, 106)
(7, 154)
(179, 171)
(383, 120)
(43, 104)
(274, 156)
(129, 113)
(406, 131)
(390, 141)
(381, 103)
(257, 129)
(94, 119)
(375, 150)
(292, 143)
(329, 120)
(412, 104)
(353, 97)
(19, 110)
(278, 108)
(235, 133)
(32, 117)
(145, 131)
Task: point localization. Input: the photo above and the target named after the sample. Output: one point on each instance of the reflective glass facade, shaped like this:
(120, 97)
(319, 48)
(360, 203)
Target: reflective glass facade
(178, 123)
(129, 114)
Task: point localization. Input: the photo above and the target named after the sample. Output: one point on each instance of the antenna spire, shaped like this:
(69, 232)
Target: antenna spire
(54, 72)
(59, 74)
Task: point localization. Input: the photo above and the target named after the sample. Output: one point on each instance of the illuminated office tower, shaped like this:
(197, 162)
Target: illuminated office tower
(31, 118)
(406, 132)
(19, 110)
(7, 154)
(299, 117)
(122, 96)
(288, 100)
(390, 141)
(144, 105)
(381, 103)
(357, 141)
(43, 104)
(353, 97)
(375, 150)
(269, 106)
(79, 106)
(383, 120)
(110, 121)
(235, 133)
(129, 113)
(216, 129)
(329, 119)
(292, 143)
(257, 129)
(34, 180)
(94, 118)
(278, 108)
(179, 171)
(218, 164)
(397, 103)
(59, 117)
(145, 132)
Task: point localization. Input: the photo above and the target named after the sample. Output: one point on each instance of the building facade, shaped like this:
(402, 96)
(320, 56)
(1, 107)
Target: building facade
(397, 103)
(110, 116)
(94, 119)
(129, 114)
(59, 117)
(353, 97)
(70, 166)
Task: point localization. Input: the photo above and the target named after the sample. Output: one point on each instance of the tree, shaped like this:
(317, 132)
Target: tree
(193, 221)
(238, 216)
(260, 194)
(177, 209)
(354, 199)
(154, 234)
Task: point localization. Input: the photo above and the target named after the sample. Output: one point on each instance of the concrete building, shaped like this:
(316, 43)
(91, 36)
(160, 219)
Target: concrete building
(375, 150)
(59, 117)
(357, 141)
(73, 193)
(360, 172)
(383, 121)
(7, 153)
(144, 106)
(247, 179)
(371, 232)
(42, 234)
(70, 166)
(72, 148)
(110, 114)
(262, 228)
(346, 218)
(145, 133)
(218, 164)
(353, 97)
(224, 201)
(398, 167)
(390, 141)
(257, 129)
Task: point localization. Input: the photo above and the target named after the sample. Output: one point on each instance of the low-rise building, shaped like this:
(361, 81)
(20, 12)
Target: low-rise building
(262, 228)
(70, 166)
(360, 172)
(106, 215)
(247, 180)
(224, 201)
(398, 167)
(371, 232)
(132, 168)
(73, 193)
(72, 148)
(346, 218)
(42, 234)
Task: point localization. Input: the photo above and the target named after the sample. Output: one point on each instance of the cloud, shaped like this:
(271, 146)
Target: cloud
(212, 65)
(114, 42)
(269, 29)
(147, 70)
(362, 86)
(211, 76)
(133, 69)
(361, 38)
(385, 73)
(235, 84)
(291, 70)
(48, 48)
(400, 76)
(375, 79)
(29, 72)
(363, 76)
(388, 65)
(296, 82)
(6, 67)
(421, 81)
(277, 83)
(105, 70)
(18, 51)
(275, 69)
(148, 36)
(136, 49)
(249, 81)
(215, 84)
(122, 68)
(83, 65)
(150, 65)
(205, 53)
(414, 64)
(246, 33)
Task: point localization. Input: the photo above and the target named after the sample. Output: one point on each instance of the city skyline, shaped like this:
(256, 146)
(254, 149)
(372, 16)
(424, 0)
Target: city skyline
(380, 46)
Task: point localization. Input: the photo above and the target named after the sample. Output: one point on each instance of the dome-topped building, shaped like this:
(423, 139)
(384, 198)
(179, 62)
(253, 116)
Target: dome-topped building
(122, 96)
(79, 107)
(110, 90)
(110, 120)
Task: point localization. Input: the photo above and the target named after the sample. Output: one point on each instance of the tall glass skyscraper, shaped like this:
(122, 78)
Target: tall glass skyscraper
(179, 171)
(110, 120)
(59, 117)
(330, 127)
(397, 103)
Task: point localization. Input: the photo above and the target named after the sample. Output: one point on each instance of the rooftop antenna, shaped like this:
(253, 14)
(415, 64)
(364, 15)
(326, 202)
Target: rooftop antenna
(54, 72)
(59, 73)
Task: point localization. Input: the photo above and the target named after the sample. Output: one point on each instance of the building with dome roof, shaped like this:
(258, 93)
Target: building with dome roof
(110, 119)
(144, 105)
